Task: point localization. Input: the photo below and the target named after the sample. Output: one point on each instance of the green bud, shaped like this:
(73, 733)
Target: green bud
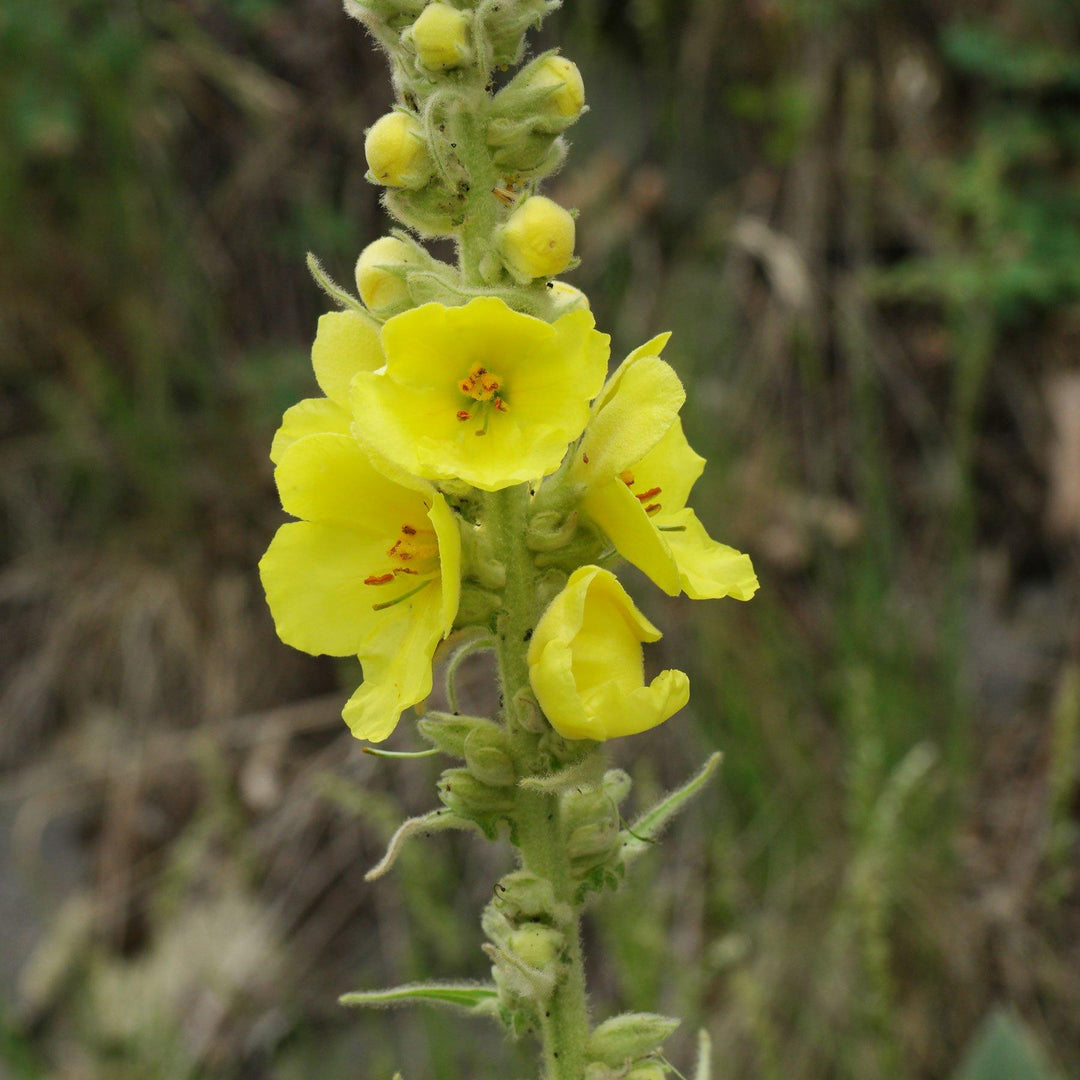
(551, 530)
(487, 756)
(507, 23)
(648, 1072)
(591, 845)
(536, 945)
(388, 9)
(591, 821)
(468, 797)
(440, 37)
(629, 1038)
(431, 212)
(522, 896)
(450, 733)
(532, 154)
(397, 153)
(616, 785)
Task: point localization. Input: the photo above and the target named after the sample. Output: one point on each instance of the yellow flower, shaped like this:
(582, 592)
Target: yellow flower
(480, 393)
(537, 240)
(397, 153)
(441, 37)
(586, 665)
(372, 568)
(345, 343)
(638, 470)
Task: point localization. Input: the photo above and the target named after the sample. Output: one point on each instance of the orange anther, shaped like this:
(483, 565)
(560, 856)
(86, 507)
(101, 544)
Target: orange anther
(379, 579)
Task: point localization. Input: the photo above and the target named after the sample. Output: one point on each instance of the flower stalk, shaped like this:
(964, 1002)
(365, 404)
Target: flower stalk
(467, 473)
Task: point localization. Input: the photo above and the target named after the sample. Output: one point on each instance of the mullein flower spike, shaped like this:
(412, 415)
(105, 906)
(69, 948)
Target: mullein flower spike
(463, 472)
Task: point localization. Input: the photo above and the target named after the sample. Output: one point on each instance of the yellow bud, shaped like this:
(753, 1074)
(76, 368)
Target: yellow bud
(538, 240)
(441, 37)
(566, 298)
(567, 97)
(380, 288)
(397, 153)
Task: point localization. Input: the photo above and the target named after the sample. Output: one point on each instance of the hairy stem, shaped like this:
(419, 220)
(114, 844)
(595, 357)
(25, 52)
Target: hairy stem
(564, 1027)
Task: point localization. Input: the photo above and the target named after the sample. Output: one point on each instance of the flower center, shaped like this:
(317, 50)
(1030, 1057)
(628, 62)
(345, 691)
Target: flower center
(646, 498)
(482, 387)
(414, 553)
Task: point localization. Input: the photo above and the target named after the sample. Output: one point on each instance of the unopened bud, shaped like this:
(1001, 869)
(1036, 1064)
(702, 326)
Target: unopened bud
(468, 797)
(380, 275)
(441, 37)
(523, 896)
(538, 240)
(536, 945)
(630, 1037)
(565, 298)
(397, 154)
(652, 1071)
(550, 530)
(557, 83)
(487, 757)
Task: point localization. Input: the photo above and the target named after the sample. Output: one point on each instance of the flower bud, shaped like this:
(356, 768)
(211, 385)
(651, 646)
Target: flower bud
(536, 945)
(461, 792)
(538, 240)
(630, 1037)
(523, 896)
(506, 25)
(397, 154)
(565, 298)
(652, 1071)
(380, 275)
(441, 37)
(449, 732)
(487, 757)
(557, 83)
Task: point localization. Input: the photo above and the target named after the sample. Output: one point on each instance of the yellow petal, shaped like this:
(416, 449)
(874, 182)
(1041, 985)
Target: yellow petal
(622, 518)
(328, 478)
(313, 575)
(707, 570)
(345, 343)
(448, 536)
(652, 347)
(642, 407)
(586, 666)
(308, 417)
(396, 659)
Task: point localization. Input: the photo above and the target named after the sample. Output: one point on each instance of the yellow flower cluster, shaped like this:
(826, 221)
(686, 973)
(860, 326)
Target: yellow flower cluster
(480, 397)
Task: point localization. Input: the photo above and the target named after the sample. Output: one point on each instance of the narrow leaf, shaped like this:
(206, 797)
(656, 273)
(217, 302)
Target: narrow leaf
(435, 821)
(472, 997)
(704, 1059)
(639, 837)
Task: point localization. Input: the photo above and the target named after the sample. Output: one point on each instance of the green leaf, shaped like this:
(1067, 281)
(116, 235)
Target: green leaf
(645, 831)
(472, 997)
(435, 821)
(1004, 1049)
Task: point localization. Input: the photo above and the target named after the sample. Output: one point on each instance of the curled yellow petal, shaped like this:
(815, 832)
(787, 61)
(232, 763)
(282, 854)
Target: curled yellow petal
(312, 416)
(586, 665)
(345, 343)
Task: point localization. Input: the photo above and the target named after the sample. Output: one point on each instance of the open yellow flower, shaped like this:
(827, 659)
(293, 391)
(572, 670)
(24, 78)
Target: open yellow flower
(372, 569)
(638, 469)
(586, 664)
(345, 343)
(480, 393)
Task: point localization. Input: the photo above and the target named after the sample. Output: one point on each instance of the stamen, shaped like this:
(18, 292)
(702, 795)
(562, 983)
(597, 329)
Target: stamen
(404, 596)
(627, 477)
(379, 579)
(408, 530)
(652, 509)
(464, 414)
(671, 528)
(650, 494)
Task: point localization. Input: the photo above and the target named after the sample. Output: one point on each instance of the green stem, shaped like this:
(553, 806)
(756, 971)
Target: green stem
(564, 1027)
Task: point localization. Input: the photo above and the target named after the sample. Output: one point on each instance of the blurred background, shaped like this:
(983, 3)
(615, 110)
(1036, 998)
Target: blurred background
(862, 221)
